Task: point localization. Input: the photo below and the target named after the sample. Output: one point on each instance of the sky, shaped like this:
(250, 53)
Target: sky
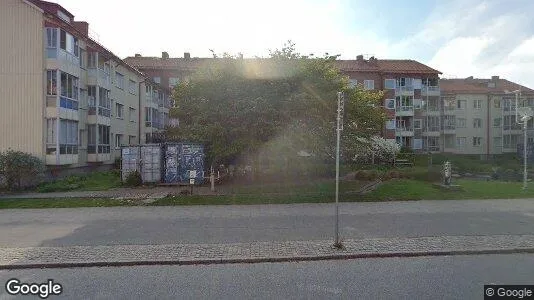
(460, 38)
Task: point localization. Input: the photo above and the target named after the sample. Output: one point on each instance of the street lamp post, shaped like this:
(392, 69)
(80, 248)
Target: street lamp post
(340, 108)
(526, 114)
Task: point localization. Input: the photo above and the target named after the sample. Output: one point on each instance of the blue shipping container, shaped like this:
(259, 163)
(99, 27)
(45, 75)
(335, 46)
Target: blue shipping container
(183, 162)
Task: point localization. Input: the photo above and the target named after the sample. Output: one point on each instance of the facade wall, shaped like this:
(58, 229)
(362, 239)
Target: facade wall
(21, 77)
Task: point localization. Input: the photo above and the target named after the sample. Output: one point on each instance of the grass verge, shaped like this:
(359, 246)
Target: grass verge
(96, 181)
(64, 203)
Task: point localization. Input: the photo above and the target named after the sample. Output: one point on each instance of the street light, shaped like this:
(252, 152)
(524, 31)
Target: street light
(526, 114)
(340, 108)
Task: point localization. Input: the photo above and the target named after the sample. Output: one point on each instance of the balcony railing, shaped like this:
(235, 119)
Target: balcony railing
(432, 128)
(68, 103)
(404, 108)
(430, 89)
(404, 128)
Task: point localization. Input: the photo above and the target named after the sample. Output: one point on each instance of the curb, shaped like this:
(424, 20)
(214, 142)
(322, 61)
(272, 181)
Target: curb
(261, 259)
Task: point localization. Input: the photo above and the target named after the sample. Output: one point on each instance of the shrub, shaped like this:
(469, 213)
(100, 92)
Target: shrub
(367, 175)
(19, 170)
(425, 175)
(133, 179)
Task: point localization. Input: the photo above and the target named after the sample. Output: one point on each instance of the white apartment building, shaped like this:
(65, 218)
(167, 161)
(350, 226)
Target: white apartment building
(67, 99)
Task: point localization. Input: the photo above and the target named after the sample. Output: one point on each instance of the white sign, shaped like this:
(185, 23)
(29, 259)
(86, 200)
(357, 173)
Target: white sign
(192, 181)
(192, 173)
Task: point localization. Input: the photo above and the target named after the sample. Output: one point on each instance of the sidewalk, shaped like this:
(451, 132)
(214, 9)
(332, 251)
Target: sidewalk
(127, 193)
(182, 254)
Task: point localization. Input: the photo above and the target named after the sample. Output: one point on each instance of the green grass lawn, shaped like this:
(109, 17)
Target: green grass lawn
(96, 181)
(63, 203)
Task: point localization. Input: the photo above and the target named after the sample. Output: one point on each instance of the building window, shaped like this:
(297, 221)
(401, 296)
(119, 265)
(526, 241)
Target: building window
(91, 60)
(132, 87)
(369, 84)
(460, 142)
(119, 110)
(417, 84)
(68, 137)
(173, 81)
(497, 122)
(148, 117)
(477, 123)
(449, 104)
(461, 104)
(132, 114)
(353, 83)
(91, 139)
(417, 124)
(131, 139)
(104, 103)
(389, 84)
(460, 123)
(91, 99)
(68, 43)
(51, 129)
(449, 122)
(477, 141)
(120, 80)
(69, 91)
(390, 124)
(157, 80)
(118, 140)
(497, 142)
(51, 37)
(103, 139)
(477, 104)
(497, 103)
(83, 58)
(417, 103)
(51, 83)
(390, 103)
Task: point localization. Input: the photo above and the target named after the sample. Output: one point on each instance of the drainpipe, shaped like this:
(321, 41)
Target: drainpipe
(488, 127)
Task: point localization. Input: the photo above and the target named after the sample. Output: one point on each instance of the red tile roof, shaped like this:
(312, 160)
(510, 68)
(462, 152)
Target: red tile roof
(378, 65)
(480, 86)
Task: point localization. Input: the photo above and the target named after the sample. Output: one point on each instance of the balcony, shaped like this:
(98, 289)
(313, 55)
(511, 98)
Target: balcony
(430, 91)
(404, 91)
(104, 153)
(404, 131)
(404, 111)
(98, 77)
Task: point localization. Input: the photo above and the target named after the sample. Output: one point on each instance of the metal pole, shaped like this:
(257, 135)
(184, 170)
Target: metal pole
(339, 95)
(525, 154)
(212, 179)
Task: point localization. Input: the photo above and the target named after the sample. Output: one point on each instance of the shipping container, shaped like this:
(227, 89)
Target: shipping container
(145, 159)
(184, 162)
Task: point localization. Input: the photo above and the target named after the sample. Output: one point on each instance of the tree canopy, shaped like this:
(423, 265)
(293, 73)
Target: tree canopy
(277, 106)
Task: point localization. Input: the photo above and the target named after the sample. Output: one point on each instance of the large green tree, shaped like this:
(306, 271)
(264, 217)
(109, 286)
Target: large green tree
(273, 106)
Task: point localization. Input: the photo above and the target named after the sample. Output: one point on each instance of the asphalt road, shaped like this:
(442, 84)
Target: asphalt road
(226, 224)
(445, 277)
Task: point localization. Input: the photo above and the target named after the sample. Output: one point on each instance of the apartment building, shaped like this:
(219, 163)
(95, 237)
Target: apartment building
(66, 98)
(479, 115)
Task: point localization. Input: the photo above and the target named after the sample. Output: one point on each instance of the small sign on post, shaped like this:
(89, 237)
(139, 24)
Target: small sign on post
(447, 173)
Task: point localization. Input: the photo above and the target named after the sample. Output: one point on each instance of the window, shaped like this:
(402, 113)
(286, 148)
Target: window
(132, 114)
(417, 103)
(497, 122)
(389, 84)
(68, 137)
(353, 83)
(173, 81)
(461, 104)
(51, 129)
(497, 142)
(131, 139)
(91, 139)
(104, 103)
(51, 37)
(460, 142)
(131, 87)
(68, 42)
(69, 91)
(477, 104)
(83, 58)
(477, 141)
(417, 124)
(91, 60)
(460, 123)
(51, 83)
(119, 110)
(417, 83)
(103, 139)
(118, 140)
(390, 124)
(390, 103)
(120, 80)
(369, 84)
(433, 123)
(497, 103)
(477, 123)
(449, 104)
(157, 80)
(449, 122)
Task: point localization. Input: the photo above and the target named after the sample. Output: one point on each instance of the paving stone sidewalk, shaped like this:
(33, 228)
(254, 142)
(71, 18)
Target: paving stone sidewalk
(72, 256)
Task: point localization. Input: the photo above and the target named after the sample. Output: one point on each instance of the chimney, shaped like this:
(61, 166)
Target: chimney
(164, 55)
(469, 78)
(495, 78)
(137, 55)
(359, 57)
(82, 27)
(187, 55)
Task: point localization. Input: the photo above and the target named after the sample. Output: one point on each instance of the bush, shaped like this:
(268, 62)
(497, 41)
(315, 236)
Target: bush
(20, 170)
(367, 175)
(425, 175)
(133, 179)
